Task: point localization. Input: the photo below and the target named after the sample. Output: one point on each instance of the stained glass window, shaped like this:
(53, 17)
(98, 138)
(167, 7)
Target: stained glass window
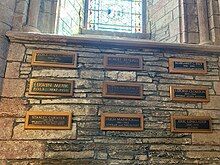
(69, 15)
(115, 15)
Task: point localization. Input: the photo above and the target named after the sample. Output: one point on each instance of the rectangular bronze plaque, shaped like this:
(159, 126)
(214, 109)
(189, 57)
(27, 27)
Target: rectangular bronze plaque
(51, 87)
(178, 65)
(48, 120)
(122, 90)
(123, 62)
(54, 59)
(122, 122)
(191, 124)
(189, 93)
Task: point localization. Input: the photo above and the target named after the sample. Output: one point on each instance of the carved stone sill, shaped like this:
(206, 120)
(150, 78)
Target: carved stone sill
(48, 39)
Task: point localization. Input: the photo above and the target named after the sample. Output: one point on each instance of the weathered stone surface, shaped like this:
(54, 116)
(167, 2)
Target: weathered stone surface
(142, 157)
(101, 155)
(13, 87)
(113, 75)
(12, 70)
(16, 52)
(206, 154)
(217, 87)
(214, 114)
(68, 154)
(126, 76)
(213, 104)
(6, 125)
(206, 138)
(21, 149)
(144, 79)
(207, 78)
(91, 74)
(55, 73)
(15, 107)
(77, 110)
(72, 101)
(20, 133)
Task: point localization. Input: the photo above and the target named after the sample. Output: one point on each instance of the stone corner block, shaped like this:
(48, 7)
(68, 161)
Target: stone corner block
(6, 125)
(13, 87)
(12, 70)
(21, 150)
(16, 52)
(15, 107)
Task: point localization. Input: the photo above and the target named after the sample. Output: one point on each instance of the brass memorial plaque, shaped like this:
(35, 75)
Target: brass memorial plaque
(191, 124)
(189, 93)
(122, 122)
(54, 59)
(122, 90)
(51, 87)
(188, 66)
(48, 120)
(123, 62)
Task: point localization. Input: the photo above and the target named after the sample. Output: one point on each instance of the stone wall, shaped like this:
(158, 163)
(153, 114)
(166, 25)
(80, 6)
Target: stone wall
(6, 16)
(86, 143)
(164, 20)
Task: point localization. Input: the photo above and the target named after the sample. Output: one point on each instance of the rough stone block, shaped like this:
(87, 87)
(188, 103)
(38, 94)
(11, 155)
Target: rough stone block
(12, 70)
(213, 104)
(206, 138)
(6, 125)
(215, 114)
(68, 154)
(144, 79)
(204, 154)
(113, 75)
(20, 133)
(126, 76)
(77, 110)
(13, 87)
(55, 73)
(21, 149)
(16, 52)
(13, 107)
(91, 74)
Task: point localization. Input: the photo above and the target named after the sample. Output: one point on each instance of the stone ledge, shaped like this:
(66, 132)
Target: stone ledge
(22, 37)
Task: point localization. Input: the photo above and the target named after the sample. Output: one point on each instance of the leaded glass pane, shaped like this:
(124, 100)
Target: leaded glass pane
(69, 17)
(115, 15)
